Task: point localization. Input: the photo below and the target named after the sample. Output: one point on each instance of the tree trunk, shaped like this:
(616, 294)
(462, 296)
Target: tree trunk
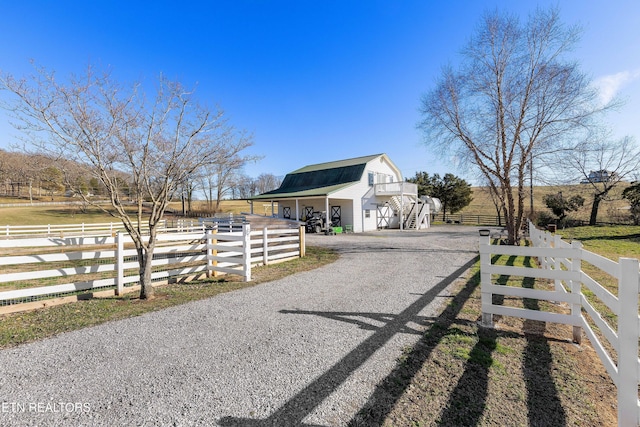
(510, 218)
(499, 215)
(145, 259)
(594, 209)
(147, 292)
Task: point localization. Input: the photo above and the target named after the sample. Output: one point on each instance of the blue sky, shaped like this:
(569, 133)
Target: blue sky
(314, 81)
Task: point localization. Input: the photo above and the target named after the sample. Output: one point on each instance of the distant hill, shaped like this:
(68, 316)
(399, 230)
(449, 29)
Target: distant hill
(609, 210)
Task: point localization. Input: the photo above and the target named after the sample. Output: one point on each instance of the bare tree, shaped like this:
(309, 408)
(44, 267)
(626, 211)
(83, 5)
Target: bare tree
(218, 178)
(244, 186)
(514, 97)
(266, 182)
(113, 130)
(53, 180)
(602, 165)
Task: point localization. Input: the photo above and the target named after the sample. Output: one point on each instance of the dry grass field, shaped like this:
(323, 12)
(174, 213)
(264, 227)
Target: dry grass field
(609, 210)
(56, 214)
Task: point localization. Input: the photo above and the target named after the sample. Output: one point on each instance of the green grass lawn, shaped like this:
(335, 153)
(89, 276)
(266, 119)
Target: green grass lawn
(612, 242)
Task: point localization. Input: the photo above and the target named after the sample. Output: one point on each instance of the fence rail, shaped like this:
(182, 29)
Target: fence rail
(97, 263)
(110, 228)
(562, 262)
(471, 219)
(494, 220)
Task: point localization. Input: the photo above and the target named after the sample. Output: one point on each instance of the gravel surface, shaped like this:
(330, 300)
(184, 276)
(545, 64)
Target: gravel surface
(306, 350)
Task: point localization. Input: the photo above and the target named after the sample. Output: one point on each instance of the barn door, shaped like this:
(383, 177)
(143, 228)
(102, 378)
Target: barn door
(336, 216)
(384, 216)
(308, 212)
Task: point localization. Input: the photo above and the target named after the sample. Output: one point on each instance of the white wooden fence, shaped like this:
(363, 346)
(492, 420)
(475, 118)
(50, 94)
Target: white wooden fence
(562, 262)
(62, 230)
(224, 223)
(97, 263)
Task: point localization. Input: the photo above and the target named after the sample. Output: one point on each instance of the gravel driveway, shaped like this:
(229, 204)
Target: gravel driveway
(305, 350)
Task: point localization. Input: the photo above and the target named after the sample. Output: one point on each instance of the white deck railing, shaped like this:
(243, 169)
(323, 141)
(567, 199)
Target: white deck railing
(396, 189)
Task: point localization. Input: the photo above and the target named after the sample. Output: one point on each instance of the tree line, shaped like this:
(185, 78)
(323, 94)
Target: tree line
(27, 175)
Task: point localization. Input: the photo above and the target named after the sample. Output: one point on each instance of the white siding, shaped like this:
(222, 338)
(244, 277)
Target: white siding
(363, 196)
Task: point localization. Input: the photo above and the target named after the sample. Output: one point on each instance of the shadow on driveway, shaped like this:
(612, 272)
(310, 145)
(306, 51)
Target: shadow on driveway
(296, 409)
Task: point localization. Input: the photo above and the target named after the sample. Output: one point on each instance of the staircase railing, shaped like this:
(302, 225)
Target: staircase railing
(409, 219)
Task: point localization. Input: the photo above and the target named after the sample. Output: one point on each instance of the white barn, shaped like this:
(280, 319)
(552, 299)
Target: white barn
(360, 194)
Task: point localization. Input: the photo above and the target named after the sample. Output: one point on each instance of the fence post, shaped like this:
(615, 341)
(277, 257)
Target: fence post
(246, 251)
(214, 252)
(547, 238)
(302, 243)
(119, 264)
(209, 242)
(533, 234)
(485, 280)
(576, 289)
(265, 246)
(628, 331)
(557, 264)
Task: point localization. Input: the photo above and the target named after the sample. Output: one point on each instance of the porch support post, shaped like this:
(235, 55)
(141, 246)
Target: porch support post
(272, 206)
(297, 211)
(401, 216)
(326, 208)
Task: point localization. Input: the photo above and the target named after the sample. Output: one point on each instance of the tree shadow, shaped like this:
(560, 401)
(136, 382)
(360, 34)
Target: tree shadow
(498, 299)
(634, 236)
(296, 409)
(389, 391)
(467, 401)
(543, 403)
